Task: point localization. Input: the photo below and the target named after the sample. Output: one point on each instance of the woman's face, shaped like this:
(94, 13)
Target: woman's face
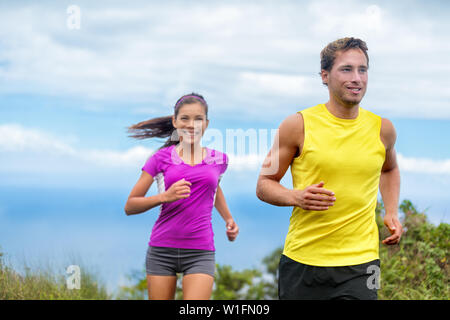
(191, 122)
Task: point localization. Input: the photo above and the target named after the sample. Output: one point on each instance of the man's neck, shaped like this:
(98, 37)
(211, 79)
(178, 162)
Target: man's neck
(342, 111)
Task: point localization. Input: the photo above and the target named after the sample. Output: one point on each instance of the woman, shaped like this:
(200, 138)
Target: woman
(187, 176)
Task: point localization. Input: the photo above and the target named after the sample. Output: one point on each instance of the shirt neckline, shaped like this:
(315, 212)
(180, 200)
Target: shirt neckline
(341, 120)
(174, 150)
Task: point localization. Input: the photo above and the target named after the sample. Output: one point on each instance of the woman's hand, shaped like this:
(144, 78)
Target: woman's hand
(178, 190)
(232, 230)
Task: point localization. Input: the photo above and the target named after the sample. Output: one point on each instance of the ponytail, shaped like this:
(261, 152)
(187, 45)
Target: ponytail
(162, 127)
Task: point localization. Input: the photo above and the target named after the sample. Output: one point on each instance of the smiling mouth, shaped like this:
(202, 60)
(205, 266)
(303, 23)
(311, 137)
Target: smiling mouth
(354, 90)
(191, 133)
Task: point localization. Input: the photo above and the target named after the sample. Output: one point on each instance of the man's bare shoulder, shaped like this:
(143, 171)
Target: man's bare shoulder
(388, 134)
(291, 129)
(293, 122)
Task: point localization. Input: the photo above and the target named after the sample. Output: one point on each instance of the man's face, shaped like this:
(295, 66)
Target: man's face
(347, 80)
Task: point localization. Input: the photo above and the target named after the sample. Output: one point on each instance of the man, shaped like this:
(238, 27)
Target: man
(340, 154)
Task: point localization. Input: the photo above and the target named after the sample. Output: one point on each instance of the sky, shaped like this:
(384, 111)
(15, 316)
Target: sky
(75, 74)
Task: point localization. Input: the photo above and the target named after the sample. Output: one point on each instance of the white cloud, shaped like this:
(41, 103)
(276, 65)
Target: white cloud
(18, 140)
(346, 17)
(20, 144)
(423, 165)
(250, 162)
(406, 164)
(131, 158)
(277, 84)
(15, 138)
(153, 51)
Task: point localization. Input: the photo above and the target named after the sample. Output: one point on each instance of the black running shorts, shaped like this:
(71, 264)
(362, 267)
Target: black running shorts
(298, 281)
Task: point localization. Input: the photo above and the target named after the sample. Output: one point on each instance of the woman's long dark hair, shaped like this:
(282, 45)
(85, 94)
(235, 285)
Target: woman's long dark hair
(162, 127)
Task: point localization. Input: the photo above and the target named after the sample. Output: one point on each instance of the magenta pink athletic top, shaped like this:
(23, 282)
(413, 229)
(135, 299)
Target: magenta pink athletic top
(186, 223)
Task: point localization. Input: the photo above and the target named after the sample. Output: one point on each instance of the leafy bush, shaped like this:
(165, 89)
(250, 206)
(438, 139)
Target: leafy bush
(418, 267)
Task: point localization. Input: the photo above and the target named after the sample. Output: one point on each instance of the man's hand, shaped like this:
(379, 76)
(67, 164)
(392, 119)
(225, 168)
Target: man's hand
(395, 228)
(315, 197)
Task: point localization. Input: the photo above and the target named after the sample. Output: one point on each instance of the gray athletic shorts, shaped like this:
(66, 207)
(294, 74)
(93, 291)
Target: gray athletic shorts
(164, 261)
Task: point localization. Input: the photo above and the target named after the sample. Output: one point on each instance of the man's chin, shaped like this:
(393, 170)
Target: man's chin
(352, 102)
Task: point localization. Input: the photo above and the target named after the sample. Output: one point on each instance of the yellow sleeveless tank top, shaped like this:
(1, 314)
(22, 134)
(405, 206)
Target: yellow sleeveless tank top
(347, 154)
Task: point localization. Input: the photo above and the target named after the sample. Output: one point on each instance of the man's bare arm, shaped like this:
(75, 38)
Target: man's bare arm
(280, 156)
(288, 144)
(390, 183)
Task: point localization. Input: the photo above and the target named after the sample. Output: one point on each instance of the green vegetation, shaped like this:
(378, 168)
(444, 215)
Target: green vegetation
(47, 284)
(417, 268)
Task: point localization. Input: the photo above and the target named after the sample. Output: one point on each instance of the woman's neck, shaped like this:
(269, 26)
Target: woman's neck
(193, 153)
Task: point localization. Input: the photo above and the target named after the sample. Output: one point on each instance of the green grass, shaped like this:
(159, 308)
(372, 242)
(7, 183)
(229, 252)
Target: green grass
(47, 283)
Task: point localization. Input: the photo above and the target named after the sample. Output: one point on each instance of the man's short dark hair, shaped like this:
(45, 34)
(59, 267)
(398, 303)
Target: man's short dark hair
(328, 54)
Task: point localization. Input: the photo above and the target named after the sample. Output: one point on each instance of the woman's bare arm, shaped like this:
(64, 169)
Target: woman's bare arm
(222, 208)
